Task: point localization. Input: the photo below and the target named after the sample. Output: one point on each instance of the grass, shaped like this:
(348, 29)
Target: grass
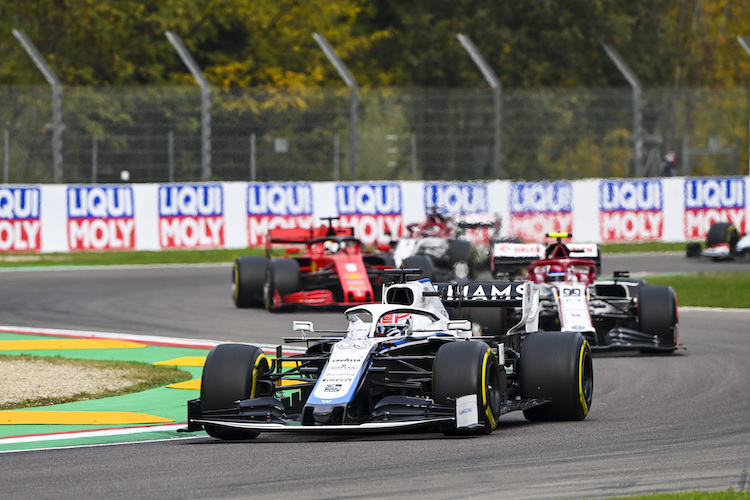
(708, 289)
(141, 377)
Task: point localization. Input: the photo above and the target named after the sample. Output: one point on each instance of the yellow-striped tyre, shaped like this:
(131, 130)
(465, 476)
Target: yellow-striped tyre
(556, 367)
(231, 373)
(469, 367)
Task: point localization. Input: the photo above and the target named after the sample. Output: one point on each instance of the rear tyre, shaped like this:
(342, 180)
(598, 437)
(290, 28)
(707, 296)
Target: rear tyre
(231, 373)
(722, 232)
(557, 366)
(469, 367)
(282, 277)
(420, 262)
(693, 249)
(657, 314)
(248, 276)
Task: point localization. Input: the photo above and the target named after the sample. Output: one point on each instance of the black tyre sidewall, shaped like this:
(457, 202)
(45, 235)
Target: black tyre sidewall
(420, 262)
(230, 374)
(467, 367)
(282, 276)
(557, 366)
(248, 275)
(657, 312)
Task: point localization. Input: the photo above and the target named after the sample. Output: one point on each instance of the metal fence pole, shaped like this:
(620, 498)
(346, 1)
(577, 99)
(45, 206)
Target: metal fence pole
(414, 157)
(353, 100)
(494, 84)
(336, 157)
(205, 102)
(637, 108)
(51, 77)
(746, 45)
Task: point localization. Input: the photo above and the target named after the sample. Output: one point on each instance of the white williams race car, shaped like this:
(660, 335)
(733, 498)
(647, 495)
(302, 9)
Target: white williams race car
(400, 364)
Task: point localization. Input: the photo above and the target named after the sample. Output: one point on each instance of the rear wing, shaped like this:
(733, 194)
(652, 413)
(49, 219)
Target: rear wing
(523, 294)
(512, 259)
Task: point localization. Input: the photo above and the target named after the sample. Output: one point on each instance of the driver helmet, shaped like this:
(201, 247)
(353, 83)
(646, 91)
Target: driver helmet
(555, 272)
(392, 325)
(331, 247)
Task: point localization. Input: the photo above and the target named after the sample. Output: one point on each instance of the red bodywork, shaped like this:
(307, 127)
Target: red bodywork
(332, 267)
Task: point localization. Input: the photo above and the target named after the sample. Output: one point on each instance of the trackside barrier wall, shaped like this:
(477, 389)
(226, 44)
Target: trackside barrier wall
(93, 217)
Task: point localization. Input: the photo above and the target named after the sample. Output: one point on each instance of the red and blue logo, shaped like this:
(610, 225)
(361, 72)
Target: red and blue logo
(456, 198)
(191, 216)
(374, 210)
(100, 218)
(631, 210)
(277, 206)
(537, 208)
(20, 224)
(720, 199)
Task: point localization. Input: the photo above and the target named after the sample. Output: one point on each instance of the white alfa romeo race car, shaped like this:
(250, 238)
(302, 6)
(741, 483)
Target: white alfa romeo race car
(400, 364)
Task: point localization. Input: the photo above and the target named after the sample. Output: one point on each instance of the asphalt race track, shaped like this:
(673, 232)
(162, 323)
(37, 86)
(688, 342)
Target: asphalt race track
(657, 423)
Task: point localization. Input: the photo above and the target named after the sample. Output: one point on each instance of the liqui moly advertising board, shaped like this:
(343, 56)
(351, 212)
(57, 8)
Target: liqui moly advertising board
(374, 210)
(191, 216)
(631, 210)
(537, 208)
(462, 201)
(709, 200)
(273, 206)
(100, 218)
(20, 224)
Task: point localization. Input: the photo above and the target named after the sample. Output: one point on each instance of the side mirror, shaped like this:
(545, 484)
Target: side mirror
(302, 326)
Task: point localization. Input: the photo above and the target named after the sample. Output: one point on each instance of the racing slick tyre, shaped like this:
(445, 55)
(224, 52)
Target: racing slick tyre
(722, 232)
(556, 366)
(462, 259)
(420, 262)
(693, 249)
(282, 277)
(248, 277)
(469, 367)
(657, 315)
(231, 373)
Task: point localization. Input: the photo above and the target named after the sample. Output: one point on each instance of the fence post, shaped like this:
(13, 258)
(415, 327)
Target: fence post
(51, 77)
(170, 155)
(253, 165)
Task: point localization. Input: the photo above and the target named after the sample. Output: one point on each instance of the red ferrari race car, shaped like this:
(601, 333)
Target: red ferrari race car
(446, 248)
(324, 266)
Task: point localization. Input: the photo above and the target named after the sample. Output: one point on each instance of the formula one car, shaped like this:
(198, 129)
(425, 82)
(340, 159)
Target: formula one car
(332, 269)
(446, 248)
(400, 364)
(723, 242)
(618, 313)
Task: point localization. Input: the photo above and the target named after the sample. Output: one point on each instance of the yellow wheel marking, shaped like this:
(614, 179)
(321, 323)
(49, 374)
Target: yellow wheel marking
(31, 417)
(485, 403)
(55, 344)
(236, 281)
(581, 395)
(258, 360)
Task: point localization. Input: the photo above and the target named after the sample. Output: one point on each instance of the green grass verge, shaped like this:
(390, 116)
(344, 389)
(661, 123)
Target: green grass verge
(708, 289)
(138, 376)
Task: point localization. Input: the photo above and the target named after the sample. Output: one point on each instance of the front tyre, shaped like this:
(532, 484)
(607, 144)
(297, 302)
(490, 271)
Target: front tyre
(231, 373)
(557, 366)
(469, 367)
